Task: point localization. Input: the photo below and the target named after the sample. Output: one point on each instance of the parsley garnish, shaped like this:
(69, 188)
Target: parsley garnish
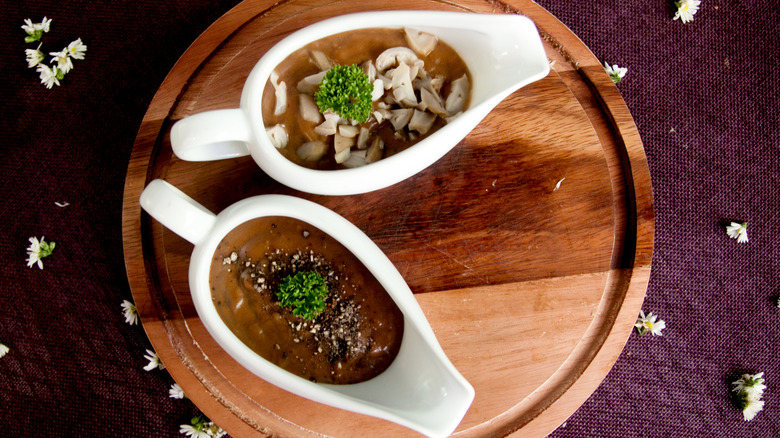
(345, 90)
(305, 293)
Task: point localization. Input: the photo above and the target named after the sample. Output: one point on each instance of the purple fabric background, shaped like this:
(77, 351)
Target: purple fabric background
(704, 97)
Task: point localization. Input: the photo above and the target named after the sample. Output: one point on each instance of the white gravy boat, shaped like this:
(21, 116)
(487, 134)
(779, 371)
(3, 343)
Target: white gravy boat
(503, 53)
(421, 389)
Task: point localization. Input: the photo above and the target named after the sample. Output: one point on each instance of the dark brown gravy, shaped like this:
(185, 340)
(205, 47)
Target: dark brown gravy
(354, 339)
(347, 48)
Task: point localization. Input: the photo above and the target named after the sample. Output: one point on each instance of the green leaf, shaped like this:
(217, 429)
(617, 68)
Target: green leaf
(346, 91)
(304, 293)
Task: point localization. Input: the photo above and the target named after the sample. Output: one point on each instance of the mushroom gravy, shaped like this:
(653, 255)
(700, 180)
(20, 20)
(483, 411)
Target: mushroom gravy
(419, 82)
(355, 338)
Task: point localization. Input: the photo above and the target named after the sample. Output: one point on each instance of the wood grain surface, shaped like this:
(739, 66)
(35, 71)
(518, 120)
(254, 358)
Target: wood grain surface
(531, 291)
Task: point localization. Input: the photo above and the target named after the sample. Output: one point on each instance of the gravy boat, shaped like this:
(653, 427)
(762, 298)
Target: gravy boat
(421, 389)
(502, 52)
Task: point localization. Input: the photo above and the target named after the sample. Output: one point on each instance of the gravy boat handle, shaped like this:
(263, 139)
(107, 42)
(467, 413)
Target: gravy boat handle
(211, 135)
(177, 211)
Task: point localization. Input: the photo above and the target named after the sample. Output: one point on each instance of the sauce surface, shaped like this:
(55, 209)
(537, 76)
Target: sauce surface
(355, 338)
(348, 48)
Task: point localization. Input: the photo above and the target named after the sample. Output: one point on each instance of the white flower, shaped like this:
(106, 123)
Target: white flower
(28, 26)
(38, 250)
(35, 30)
(751, 384)
(4, 350)
(176, 392)
(34, 56)
(738, 231)
(751, 407)
(615, 73)
(76, 49)
(202, 428)
(62, 58)
(154, 361)
(648, 323)
(750, 388)
(686, 9)
(193, 432)
(131, 313)
(49, 76)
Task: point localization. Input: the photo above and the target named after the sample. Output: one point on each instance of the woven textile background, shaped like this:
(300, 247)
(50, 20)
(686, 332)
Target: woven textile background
(704, 97)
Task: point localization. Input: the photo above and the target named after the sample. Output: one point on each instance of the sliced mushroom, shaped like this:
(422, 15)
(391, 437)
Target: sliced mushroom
(312, 150)
(356, 159)
(309, 84)
(280, 92)
(402, 85)
(394, 55)
(328, 127)
(387, 83)
(400, 117)
(370, 70)
(374, 152)
(421, 42)
(278, 136)
(348, 130)
(457, 97)
(340, 143)
(343, 156)
(320, 59)
(422, 121)
(378, 91)
(308, 108)
(362, 140)
(431, 102)
(431, 84)
(417, 68)
(382, 114)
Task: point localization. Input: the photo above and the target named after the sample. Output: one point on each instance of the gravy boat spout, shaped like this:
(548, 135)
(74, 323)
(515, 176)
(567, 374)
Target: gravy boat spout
(502, 52)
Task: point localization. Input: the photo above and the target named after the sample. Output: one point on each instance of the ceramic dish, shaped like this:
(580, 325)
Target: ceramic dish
(420, 390)
(503, 53)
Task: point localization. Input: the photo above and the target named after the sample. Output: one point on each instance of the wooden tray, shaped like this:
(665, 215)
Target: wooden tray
(532, 291)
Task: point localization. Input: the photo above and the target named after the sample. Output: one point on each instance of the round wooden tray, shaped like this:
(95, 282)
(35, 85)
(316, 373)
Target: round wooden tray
(531, 288)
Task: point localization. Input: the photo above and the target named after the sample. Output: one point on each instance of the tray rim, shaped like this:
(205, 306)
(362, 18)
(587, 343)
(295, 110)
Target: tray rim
(632, 158)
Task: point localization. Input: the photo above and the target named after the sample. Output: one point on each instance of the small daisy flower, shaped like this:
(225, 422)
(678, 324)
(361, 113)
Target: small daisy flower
(28, 27)
(62, 58)
(189, 430)
(35, 30)
(738, 231)
(130, 311)
(4, 350)
(49, 75)
(750, 388)
(34, 56)
(176, 392)
(201, 427)
(649, 323)
(38, 250)
(615, 73)
(686, 9)
(750, 407)
(76, 49)
(751, 384)
(154, 361)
